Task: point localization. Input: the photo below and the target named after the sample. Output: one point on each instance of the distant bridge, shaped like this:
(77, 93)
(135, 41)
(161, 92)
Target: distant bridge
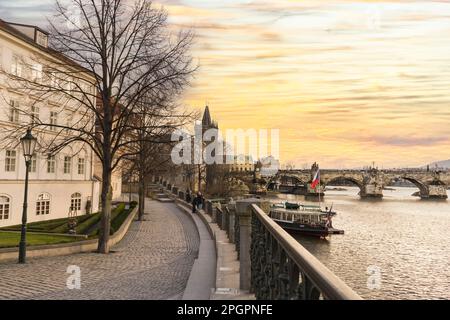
(431, 184)
(371, 182)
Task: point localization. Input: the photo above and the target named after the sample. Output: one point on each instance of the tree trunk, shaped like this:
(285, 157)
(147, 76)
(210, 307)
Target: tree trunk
(141, 198)
(142, 174)
(105, 223)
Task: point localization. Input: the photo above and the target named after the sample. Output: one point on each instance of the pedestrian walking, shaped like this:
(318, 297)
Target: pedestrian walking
(197, 203)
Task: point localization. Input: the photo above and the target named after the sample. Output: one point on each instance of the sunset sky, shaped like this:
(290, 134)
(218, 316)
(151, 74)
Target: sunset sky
(346, 82)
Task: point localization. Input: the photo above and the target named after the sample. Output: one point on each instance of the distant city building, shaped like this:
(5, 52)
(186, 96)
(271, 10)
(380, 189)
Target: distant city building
(57, 181)
(242, 163)
(269, 166)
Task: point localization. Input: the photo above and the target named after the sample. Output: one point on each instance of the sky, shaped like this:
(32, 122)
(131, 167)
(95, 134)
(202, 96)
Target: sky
(347, 83)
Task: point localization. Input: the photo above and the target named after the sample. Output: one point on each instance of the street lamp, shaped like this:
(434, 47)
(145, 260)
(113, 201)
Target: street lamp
(28, 145)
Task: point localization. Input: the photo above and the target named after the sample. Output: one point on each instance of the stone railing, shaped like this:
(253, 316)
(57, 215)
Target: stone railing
(273, 265)
(226, 221)
(281, 268)
(219, 217)
(237, 237)
(225, 217)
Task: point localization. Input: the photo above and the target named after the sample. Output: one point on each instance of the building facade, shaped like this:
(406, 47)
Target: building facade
(242, 163)
(59, 181)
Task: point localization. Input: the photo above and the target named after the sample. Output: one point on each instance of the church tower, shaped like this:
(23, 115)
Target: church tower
(207, 122)
(210, 170)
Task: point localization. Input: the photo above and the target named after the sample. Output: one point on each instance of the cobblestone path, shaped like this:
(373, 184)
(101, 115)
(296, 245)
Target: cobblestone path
(153, 261)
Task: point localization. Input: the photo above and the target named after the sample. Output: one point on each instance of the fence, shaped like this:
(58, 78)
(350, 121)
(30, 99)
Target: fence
(273, 265)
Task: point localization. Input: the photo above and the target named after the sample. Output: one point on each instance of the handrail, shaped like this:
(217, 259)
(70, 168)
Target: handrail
(219, 215)
(330, 286)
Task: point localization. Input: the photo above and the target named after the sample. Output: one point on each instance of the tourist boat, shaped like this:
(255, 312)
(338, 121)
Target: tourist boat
(304, 219)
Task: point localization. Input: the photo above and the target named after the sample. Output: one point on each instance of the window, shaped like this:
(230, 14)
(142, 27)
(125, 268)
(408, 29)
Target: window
(80, 165)
(69, 119)
(16, 66)
(36, 72)
(67, 164)
(51, 164)
(10, 161)
(53, 120)
(4, 207)
(34, 114)
(53, 80)
(33, 163)
(43, 204)
(75, 201)
(41, 39)
(14, 111)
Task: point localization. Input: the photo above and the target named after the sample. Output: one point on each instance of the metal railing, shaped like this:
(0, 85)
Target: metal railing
(219, 217)
(237, 236)
(226, 221)
(281, 268)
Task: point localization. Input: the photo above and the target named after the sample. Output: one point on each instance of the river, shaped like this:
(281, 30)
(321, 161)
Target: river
(404, 238)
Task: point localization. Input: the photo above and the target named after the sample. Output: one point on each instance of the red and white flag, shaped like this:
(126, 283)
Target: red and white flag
(316, 179)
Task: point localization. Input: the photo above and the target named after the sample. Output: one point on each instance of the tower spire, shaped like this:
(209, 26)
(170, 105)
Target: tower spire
(206, 121)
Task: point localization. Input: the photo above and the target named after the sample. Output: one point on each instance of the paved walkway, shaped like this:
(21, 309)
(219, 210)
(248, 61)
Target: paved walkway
(153, 261)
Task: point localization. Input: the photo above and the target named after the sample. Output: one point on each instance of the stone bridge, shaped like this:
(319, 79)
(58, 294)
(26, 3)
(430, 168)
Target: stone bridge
(371, 183)
(431, 184)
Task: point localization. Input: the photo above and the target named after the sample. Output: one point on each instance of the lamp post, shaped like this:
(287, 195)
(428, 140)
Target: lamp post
(28, 145)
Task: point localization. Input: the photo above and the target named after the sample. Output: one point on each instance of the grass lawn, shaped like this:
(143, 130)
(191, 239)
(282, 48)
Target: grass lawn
(86, 224)
(11, 239)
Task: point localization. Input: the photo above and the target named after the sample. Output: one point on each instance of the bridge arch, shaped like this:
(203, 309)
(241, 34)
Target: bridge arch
(282, 178)
(286, 177)
(353, 181)
(423, 188)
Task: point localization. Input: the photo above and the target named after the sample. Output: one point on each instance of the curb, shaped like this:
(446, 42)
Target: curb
(202, 279)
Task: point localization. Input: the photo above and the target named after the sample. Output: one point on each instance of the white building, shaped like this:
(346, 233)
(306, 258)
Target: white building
(269, 166)
(59, 181)
(242, 163)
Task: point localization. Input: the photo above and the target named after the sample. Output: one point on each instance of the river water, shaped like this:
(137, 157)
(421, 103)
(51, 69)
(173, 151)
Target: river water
(394, 248)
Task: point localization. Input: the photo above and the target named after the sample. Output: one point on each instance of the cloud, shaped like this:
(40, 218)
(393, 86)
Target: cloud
(353, 81)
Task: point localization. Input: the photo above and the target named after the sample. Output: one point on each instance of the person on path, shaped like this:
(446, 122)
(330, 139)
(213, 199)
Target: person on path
(197, 203)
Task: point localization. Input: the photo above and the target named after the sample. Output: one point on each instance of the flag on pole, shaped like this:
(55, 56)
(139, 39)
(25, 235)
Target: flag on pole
(316, 179)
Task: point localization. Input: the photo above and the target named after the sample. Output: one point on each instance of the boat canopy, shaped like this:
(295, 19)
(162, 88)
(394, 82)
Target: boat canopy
(300, 211)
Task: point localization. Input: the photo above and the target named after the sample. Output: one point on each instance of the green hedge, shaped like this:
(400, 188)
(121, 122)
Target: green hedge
(121, 217)
(84, 222)
(48, 226)
(118, 216)
(10, 239)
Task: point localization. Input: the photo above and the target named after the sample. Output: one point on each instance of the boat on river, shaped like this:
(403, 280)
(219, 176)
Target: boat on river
(309, 220)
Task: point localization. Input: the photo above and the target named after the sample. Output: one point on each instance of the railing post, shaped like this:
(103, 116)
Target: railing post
(224, 219)
(213, 213)
(231, 221)
(243, 211)
(208, 207)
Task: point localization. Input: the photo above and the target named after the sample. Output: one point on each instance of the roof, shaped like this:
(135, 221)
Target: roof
(27, 25)
(5, 26)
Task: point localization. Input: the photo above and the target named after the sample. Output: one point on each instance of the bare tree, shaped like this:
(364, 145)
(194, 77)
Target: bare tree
(127, 52)
(157, 119)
